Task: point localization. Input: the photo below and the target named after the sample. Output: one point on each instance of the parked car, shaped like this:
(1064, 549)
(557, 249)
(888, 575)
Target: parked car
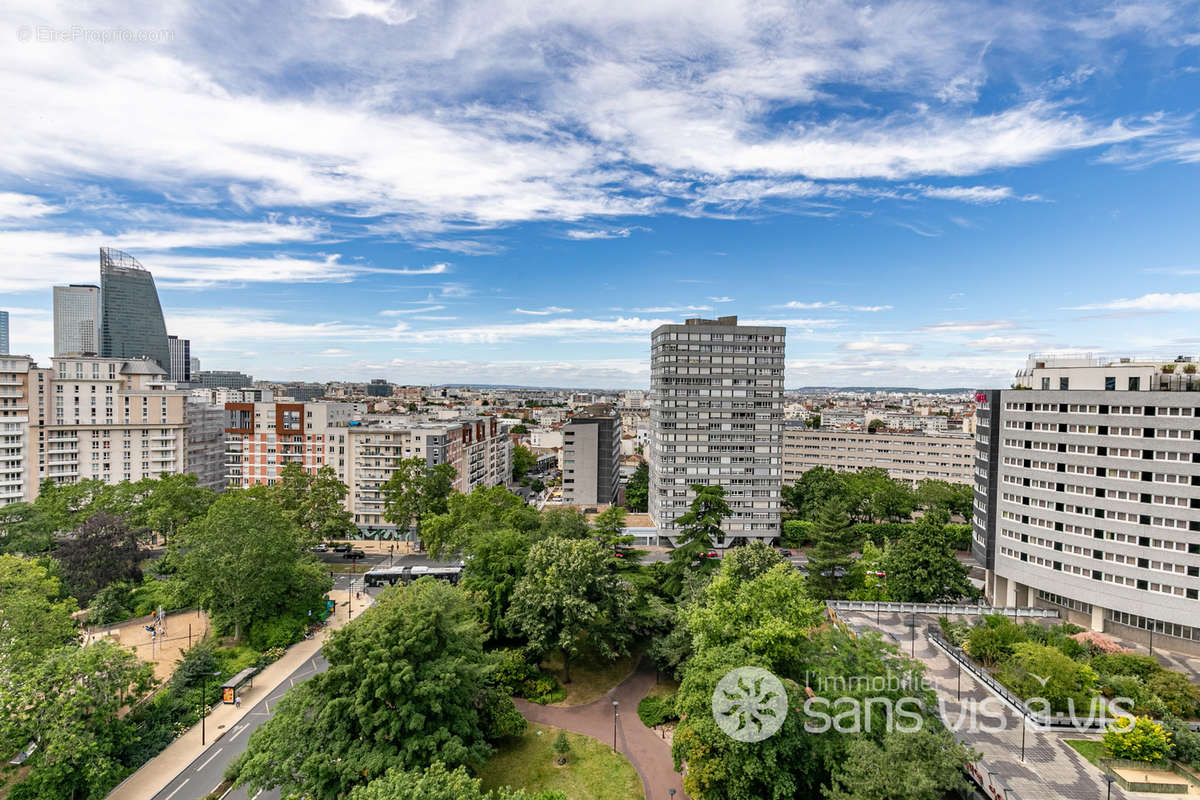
(354, 554)
(711, 554)
(341, 548)
(785, 553)
(321, 548)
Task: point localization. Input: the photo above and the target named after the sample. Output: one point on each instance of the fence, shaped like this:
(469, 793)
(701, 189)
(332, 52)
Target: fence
(945, 609)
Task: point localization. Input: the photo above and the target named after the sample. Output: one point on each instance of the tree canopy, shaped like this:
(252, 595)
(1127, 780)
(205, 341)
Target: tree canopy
(416, 491)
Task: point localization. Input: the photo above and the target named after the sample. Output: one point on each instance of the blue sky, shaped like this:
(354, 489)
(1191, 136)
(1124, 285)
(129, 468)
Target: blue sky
(519, 192)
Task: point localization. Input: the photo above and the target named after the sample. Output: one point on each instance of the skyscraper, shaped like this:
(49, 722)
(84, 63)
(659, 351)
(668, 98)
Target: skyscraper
(592, 456)
(716, 417)
(132, 322)
(3, 333)
(181, 359)
(77, 319)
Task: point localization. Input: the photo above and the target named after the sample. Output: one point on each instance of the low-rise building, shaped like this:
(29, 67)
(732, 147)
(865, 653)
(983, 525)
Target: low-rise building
(906, 456)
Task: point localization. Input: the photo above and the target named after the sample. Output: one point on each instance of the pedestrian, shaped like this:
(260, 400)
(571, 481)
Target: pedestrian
(237, 701)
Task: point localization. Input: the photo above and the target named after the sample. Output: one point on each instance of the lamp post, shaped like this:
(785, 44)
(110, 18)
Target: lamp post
(671, 792)
(914, 633)
(204, 702)
(959, 663)
(1024, 725)
(1111, 780)
(1152, 624)
(615, 726)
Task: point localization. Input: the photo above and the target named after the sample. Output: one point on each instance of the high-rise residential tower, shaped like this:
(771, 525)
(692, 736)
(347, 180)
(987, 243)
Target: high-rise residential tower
(181, 359)
(716, 417)
(1087, 494)
(131, 321)
(77, 320)
(3, 333)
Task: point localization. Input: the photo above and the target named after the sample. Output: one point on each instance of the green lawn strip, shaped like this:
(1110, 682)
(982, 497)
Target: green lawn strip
(1092, 750)
(592, 771)
(589, 679)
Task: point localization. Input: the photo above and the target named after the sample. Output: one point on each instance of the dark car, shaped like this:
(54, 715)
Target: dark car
(341, 548)
(354, 554)
(785, 553)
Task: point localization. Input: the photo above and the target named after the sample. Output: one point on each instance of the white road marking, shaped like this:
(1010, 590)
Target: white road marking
(210, 758)
(177, 788)
(256, 794)
(238, 732)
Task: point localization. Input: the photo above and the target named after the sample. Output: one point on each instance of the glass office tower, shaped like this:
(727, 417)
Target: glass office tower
(132, 320)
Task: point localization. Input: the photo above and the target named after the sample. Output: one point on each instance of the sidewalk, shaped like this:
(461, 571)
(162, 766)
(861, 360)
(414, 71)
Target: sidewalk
(156, 773)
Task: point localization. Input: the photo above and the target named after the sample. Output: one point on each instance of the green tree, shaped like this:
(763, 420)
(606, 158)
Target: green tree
(1178, 694)
(523, 460)
(1036, 670)
(167, 503)
(70, 703)
(749, 561)
(569, 598)
(400, 692)
(519, 429)
(315, 503)
(831, 558)
(246, 561)
(35, 616)
(637, 489)
(699, 528)
(102, 551)
(926, 764)
(609, 529)
(1140, 739)
(565, 523)
(954, 498)
(416, 491)
(922, 566)
(873, 494)
(490, 508)
(65, 506)
(813, 491)
(435, 782)
(24, 530)
(992, 642)
(562, 747)
(495, 561)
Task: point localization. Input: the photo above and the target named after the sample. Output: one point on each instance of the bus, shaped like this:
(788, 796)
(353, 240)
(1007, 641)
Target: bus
(379, 576)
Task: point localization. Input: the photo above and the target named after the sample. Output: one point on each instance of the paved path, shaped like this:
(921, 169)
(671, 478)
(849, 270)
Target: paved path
(645, 749)
(186, 757)
(1050, 769)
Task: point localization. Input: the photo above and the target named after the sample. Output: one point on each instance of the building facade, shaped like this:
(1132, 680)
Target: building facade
(1088, 494)
(3, 333)
(131, 324)
(20, 380)
(77, 320)
(221, 379)
(716, 394)
(591, 457)
(181, 359)
(111, 419)
(205, 455)
(911, 457)
(262, 438)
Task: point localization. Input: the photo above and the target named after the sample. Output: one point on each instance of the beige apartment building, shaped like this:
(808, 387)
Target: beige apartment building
(911, 457)
(110, 419)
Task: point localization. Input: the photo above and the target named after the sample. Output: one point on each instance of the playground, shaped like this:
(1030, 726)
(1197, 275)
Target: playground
(155, 640)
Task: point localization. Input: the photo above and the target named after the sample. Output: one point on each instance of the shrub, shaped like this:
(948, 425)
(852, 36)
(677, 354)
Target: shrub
(279, 631)
(1178, 694)
(1126, 664)
(955, 633)
(1185, 742)
(878, 533)
(1130, 686)
(270, 656)
(1137, 740)
(959, 536)
(1037, 670)
(993, 641)
(111, 604)
(657, 710)
(562, 747)
(798, 533)
(149, 597)
(510, 670)
(1097, 643)
(198, 661)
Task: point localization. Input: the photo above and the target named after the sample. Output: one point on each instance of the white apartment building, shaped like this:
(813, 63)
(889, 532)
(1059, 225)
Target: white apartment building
(19, 382)
(716, 393)
(911, 457)
(111, 419)
(205, 455)
(1087, 494)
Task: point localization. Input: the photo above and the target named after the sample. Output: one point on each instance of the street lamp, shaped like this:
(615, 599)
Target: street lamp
(1111, 780)
(615, 726)
(914, 634)
(671, 792)
(1024, 725)
(204, 702)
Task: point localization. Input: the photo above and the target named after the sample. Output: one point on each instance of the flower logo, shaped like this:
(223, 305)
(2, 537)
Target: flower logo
(749, 704)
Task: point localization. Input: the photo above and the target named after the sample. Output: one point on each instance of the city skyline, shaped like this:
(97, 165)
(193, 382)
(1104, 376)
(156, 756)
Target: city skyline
(921, 196)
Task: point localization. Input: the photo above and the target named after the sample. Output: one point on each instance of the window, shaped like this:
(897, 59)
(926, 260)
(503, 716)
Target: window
(1064, 384)
(1045, 384)
(1110, 383)
(1135, 384)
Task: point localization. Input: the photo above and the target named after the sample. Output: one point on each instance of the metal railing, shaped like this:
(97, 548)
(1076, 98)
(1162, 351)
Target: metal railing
(947, 609)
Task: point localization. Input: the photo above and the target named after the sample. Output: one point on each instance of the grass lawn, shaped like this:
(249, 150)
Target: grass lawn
(590, 678)
(1089, 749)
(664, 687)
(592, 772)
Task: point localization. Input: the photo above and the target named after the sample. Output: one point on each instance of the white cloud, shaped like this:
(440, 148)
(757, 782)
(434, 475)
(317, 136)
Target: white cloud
(542, 312)
(1156, 301)
(1004, 343)
(396, 312)
(968, 326)
(583, 234)
(720, 299)
(830, 304)
(14, 205)
(671, 309)
(875, 346)
(978, 195)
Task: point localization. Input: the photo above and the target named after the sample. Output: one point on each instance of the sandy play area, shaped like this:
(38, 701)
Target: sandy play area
(180, 631)
(1157, 776)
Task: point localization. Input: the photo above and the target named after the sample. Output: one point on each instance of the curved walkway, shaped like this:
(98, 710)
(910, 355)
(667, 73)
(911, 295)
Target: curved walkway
(644, 748)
